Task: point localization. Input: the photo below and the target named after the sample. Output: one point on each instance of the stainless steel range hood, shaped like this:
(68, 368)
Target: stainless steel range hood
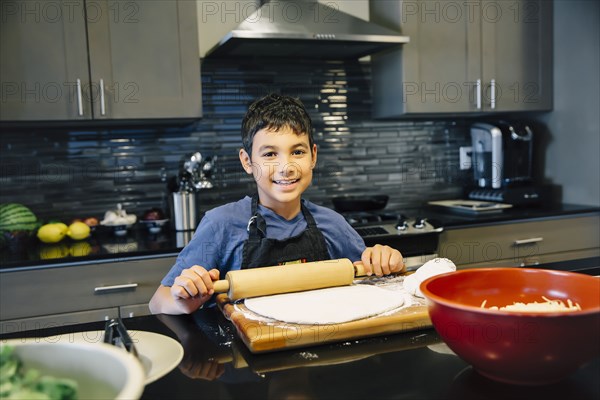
(307, 29)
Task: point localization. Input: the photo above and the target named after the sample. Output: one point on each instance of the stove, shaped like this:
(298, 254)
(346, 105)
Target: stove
(416, 237)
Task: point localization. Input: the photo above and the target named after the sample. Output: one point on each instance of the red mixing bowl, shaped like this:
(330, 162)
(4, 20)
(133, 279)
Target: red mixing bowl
(516, 347)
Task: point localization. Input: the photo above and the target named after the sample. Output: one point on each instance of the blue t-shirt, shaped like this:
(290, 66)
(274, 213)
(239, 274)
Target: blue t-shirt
(219, 240)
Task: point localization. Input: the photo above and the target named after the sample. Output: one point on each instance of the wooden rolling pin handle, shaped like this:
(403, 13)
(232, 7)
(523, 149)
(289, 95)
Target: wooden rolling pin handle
(359, 270)
(221, 286)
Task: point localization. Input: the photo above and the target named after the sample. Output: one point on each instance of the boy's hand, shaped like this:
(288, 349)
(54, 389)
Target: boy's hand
(382, 260)
(195, 284)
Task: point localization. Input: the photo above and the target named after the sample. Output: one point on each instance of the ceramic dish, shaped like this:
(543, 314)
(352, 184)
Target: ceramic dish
(158, 354)
(119, 230)
(101, 371)
(522, 347)
(154, 226)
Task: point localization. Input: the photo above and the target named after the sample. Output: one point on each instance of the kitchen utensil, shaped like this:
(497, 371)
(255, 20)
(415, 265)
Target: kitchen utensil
(116, 334)
(359, 203)
(291, 278)
(195, 172)
(101, 371)
(516, 347)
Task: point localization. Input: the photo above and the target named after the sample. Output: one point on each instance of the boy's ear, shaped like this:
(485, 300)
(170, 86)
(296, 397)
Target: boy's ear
(246, 162)
(314, 156)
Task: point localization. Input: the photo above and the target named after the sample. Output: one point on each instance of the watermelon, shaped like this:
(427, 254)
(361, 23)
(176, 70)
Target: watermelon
(16, 217)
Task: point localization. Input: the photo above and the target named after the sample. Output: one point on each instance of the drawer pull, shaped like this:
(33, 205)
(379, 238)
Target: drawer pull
(114, 288)
(102, 104)
(527, 241)
(79, 100)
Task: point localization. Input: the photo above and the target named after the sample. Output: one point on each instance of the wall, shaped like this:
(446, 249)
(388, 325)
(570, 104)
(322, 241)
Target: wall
(574, 141)
(74, 172)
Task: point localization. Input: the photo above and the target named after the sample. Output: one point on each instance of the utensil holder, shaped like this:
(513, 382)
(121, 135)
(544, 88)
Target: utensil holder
(184, 216)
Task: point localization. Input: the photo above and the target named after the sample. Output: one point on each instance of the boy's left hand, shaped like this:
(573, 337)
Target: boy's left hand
(382, 260)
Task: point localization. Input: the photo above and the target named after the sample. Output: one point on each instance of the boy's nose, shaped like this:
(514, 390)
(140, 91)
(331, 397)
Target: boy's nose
(289, 169)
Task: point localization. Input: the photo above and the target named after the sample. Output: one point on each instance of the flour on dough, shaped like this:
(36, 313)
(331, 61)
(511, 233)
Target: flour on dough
(326, 306)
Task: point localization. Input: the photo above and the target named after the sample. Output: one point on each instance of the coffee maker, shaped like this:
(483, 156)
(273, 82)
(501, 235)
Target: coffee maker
(502, 163)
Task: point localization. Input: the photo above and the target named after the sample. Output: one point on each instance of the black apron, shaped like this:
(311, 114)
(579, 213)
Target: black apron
(260, 251)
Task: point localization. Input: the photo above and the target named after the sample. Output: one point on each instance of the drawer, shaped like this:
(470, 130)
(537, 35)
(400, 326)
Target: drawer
(520, 242)
(59, 290)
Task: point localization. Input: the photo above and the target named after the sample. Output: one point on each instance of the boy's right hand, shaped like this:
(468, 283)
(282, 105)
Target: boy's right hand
(194, 285)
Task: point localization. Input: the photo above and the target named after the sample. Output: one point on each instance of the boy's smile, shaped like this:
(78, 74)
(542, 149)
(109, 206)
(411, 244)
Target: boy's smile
(282, 164)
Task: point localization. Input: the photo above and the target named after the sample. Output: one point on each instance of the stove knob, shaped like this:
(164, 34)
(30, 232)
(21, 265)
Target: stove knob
(402, 224)
(419, 223)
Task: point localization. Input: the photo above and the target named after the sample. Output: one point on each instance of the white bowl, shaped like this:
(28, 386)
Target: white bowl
(119, 229)
(154, 226)
(101, 371)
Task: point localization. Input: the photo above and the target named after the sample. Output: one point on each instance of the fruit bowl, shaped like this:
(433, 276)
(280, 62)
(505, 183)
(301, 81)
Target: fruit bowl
(518, 347)
(119, 220)
(154, 226)
(120, 229)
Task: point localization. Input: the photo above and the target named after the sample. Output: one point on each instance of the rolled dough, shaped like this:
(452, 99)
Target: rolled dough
(431, 268)
(326, 306)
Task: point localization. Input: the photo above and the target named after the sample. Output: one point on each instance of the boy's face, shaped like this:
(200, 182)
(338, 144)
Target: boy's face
(282, 164)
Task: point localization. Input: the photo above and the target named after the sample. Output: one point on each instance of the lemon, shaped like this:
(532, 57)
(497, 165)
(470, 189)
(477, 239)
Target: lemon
(78, 230)
(80, 249)
(63, 227)
(51, 233)
(48, 252)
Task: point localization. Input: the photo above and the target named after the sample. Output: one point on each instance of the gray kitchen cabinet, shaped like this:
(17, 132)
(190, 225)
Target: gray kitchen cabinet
(95, 60)
(79, 293)
(464, 57)
(523, 243)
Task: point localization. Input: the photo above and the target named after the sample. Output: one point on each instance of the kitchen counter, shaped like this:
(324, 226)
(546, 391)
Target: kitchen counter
(103, 246)
(216, 365)
(453, 220)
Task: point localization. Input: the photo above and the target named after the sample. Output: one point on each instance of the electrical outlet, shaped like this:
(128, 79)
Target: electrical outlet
(465, 157)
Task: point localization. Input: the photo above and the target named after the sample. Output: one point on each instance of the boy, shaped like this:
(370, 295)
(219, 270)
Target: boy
(273, 227)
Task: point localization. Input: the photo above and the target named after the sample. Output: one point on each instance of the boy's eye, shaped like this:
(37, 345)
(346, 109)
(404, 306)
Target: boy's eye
(269, 154)
(298, 152)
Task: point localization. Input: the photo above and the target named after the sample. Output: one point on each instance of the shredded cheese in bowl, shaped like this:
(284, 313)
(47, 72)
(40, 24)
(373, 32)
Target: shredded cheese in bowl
(547, 305)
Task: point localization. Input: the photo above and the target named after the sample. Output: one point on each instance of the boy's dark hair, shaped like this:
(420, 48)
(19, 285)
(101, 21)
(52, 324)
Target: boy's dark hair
(274, 112)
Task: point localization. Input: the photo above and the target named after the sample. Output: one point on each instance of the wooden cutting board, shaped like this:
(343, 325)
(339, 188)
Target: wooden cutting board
(262, 334)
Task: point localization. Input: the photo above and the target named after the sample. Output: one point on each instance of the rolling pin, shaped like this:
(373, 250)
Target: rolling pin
(289, 278)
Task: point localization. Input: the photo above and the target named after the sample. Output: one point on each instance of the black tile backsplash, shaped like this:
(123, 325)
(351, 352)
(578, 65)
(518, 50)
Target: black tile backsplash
(72, 172)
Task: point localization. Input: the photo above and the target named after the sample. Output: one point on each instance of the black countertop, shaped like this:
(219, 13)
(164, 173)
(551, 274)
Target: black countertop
(216, 365)
(104, 246)
(452, 220)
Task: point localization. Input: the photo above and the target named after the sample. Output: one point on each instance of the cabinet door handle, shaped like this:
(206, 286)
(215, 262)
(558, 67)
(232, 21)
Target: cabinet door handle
(493, 94)
(521, 242)
(79, 99)
(102, 106)
(478, 93)
(114, 288)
